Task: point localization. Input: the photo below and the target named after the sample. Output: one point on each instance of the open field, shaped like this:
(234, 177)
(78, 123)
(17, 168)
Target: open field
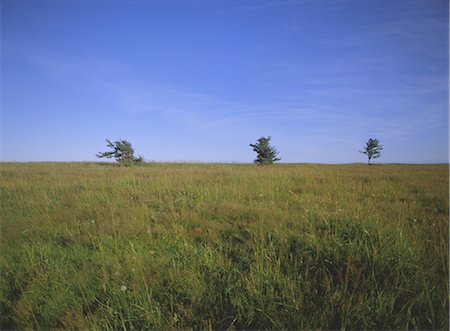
(164, 246)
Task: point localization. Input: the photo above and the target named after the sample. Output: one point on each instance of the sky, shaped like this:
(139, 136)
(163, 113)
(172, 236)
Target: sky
(201, 80)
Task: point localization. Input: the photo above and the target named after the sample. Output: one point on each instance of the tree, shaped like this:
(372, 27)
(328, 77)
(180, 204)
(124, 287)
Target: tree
(372, 149)
(122, 151)
(266, 154)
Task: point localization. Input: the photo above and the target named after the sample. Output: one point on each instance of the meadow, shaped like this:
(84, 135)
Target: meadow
(224, 246)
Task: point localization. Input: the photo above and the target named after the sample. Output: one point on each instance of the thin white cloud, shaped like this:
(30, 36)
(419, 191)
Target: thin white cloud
(207, 113)
(311, 108)
(411, 29)
(56, 65)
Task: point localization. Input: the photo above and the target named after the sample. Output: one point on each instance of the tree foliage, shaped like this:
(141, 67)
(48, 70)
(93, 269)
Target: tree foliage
(372, 149)
(122, 152)
(266, 154)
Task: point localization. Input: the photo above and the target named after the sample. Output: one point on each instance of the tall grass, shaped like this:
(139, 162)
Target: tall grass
(220, 246)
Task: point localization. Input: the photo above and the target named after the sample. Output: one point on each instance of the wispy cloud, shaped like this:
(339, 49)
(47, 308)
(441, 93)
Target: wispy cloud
(209, 113)
(54, 64)
(412, 28)
(313, 109)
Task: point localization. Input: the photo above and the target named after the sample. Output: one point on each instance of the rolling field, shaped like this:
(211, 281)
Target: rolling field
(224, 246)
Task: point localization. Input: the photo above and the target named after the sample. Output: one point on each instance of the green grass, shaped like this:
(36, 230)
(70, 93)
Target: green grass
(224, 246)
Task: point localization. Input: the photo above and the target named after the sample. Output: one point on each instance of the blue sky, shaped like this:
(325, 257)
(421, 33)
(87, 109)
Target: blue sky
(201, 80)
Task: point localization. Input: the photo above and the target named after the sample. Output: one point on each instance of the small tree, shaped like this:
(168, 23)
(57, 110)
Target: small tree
(122, 152)
(372, 149)
(266, 154)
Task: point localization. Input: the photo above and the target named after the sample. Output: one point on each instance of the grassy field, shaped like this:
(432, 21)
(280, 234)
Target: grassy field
(224, 246)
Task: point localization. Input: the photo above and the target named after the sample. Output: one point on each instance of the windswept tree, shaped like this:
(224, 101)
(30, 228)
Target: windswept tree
(266, 154)
(122, 152)
(372, 149)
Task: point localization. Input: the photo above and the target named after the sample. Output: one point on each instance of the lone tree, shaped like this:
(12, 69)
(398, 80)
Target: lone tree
(266, 154)
(122, 152)
(372, 149)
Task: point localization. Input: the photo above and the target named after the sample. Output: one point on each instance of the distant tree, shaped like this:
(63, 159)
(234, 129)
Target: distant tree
(266, 154)
(122, 152)
(372, 149)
